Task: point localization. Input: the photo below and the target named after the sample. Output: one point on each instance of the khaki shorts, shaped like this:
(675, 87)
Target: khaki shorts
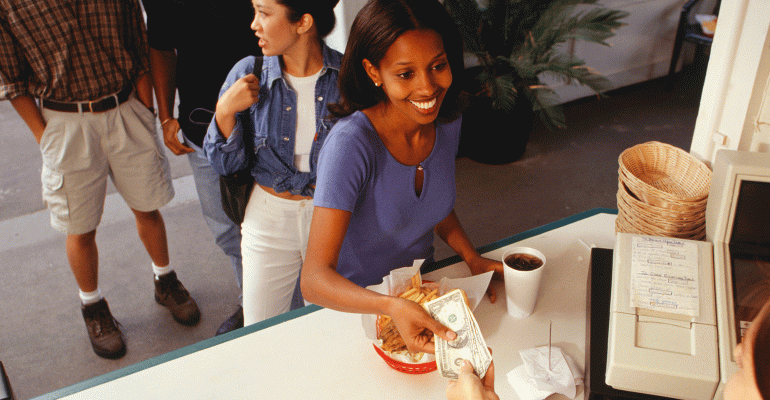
(81, 149)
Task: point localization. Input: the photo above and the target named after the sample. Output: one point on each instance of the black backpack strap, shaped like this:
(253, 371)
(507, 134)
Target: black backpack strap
(257, 66)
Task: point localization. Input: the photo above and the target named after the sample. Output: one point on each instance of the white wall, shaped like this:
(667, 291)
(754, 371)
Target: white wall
(734, 111)
(639, 51)
(345, 11)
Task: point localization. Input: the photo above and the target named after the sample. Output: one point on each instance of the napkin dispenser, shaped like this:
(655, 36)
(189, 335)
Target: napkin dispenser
(662, 353)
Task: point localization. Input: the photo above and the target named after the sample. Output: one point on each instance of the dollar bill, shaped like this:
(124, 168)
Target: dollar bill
(452, 311)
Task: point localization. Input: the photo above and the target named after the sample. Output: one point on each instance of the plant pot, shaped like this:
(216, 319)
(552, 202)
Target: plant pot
(492, 136)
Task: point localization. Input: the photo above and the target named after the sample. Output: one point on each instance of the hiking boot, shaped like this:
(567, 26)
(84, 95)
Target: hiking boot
(170, 293)
(234, 322)
(106, 338)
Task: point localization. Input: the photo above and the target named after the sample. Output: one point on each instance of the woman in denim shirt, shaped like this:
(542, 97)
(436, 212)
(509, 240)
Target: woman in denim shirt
(285, 111)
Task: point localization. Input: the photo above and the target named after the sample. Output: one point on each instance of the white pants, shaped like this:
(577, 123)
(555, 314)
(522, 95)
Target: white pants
(275, 233)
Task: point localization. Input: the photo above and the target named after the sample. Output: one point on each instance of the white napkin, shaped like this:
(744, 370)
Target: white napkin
(534, 381)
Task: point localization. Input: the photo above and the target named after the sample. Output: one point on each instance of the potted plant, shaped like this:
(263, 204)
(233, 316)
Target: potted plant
(514, 43)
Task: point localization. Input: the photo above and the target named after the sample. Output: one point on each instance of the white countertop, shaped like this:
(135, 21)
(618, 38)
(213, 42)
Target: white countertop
(324, 354)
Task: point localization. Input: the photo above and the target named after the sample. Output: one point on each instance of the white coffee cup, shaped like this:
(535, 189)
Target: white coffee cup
(522, 287)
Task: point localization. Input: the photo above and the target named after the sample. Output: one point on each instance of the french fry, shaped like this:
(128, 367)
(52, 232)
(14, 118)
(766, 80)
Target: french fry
(416, 281)
(391, 340)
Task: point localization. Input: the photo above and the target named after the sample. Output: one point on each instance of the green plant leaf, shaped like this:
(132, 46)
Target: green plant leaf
(545, 103)
(504, 92)
(596, 25)
(518, 41)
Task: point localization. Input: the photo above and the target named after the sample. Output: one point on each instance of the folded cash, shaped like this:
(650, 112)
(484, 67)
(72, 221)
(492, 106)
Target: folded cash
(452, 311)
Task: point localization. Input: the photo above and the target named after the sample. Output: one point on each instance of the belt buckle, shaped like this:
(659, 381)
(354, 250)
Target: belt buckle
(90, 107)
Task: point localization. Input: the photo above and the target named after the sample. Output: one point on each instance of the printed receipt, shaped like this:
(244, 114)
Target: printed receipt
(664, 275)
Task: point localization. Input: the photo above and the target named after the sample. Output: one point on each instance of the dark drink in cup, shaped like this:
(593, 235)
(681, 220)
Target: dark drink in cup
(523, 262)
(522, 279)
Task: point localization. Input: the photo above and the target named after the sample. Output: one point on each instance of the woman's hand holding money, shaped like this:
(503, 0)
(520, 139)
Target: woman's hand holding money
(417, 327)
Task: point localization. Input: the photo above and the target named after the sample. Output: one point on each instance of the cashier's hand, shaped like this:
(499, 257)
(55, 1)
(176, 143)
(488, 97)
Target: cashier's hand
(417, 327)
(480, 265)
(468, 386)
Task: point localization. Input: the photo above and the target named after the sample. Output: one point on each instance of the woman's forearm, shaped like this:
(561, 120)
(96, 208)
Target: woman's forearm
(225, 122)
(329, 289)
(320, 282)
(453, 234)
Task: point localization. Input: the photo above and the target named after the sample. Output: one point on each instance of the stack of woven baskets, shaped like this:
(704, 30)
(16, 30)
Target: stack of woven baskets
(662, 191)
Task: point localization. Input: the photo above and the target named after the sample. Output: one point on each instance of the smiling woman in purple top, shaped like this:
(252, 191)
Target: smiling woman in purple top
(386, 179)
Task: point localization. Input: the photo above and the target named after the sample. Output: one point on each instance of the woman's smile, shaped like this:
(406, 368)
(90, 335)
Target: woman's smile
(426, 106)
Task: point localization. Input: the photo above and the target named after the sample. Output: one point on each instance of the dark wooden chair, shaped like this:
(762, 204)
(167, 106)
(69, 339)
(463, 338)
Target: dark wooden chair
(688, 30)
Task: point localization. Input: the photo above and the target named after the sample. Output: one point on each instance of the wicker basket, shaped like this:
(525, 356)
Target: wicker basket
(693, 215)
(661, 174)
(662, 191)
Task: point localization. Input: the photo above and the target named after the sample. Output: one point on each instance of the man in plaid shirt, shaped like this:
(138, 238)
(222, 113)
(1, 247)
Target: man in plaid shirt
(77, 72)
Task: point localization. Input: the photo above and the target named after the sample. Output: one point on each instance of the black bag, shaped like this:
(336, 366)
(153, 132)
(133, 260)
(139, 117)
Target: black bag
(236, 187)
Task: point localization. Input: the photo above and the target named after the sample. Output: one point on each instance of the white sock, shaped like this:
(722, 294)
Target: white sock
(90, 297)
(160, 271)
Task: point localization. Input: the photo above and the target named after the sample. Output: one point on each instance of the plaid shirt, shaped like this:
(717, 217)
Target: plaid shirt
(76, 50)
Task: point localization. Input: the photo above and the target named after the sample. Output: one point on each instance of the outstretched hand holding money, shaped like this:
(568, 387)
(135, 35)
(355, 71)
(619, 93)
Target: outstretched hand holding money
(452, 310)
(469, 386)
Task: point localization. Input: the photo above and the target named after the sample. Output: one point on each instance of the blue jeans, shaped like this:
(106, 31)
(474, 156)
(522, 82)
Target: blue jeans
(227, 234)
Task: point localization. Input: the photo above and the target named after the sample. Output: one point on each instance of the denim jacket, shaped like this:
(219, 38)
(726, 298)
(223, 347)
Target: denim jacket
(272, 124)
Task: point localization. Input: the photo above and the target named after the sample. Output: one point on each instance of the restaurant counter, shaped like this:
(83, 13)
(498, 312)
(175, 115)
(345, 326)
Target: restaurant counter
(316, 353)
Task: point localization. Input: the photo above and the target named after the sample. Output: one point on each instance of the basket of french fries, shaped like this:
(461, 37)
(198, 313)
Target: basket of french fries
(407, 283)
(393, 344)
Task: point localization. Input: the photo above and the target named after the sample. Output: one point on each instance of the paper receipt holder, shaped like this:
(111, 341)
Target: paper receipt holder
(660, 353)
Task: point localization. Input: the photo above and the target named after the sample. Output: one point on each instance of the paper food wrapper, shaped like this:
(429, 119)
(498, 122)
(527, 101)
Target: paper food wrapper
(475, 288)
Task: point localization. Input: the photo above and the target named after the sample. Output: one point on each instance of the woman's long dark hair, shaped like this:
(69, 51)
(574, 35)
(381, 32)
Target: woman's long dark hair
(322, 12)
(374, 30)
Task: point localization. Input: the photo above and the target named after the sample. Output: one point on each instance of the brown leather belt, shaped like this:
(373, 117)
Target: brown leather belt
(105, 104)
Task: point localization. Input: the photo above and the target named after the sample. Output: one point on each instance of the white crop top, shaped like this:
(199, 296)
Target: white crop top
(303, 140)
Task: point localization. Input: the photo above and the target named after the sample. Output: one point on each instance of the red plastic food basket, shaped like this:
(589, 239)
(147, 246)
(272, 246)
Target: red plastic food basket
(421, 368)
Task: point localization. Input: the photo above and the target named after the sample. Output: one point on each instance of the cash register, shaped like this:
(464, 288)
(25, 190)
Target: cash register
(678, 308)
(738, 224)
